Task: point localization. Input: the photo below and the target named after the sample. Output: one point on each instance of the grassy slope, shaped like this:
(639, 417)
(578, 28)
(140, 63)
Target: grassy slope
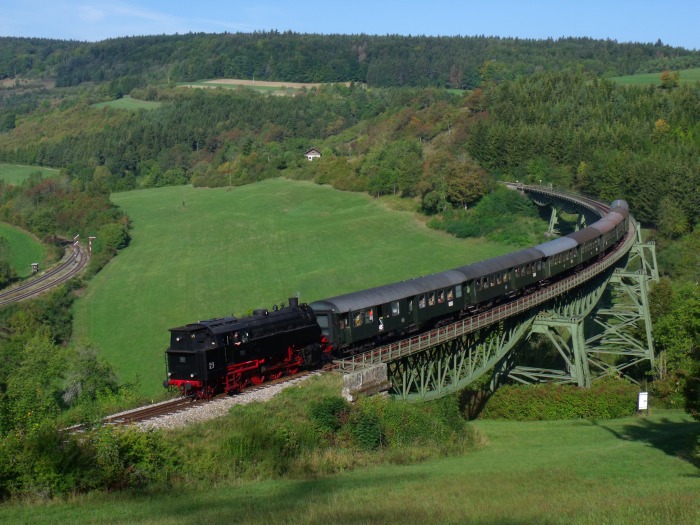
(126, 102)
(686, 75)
(227, 252)
(25, 249)
(15, 173)
(625, 471)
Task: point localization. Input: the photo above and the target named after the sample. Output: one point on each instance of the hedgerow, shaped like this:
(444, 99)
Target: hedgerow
(607, 399)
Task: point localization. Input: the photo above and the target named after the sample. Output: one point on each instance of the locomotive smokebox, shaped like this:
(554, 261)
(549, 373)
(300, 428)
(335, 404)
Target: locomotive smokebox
(293, 302)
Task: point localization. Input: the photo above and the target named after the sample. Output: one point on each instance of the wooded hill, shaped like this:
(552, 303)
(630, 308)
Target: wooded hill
(378, 61)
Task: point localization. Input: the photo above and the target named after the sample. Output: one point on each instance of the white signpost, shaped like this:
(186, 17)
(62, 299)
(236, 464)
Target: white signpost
(643, 402)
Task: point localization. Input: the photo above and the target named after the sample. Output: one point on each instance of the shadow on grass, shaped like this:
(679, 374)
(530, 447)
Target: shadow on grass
(675, 438)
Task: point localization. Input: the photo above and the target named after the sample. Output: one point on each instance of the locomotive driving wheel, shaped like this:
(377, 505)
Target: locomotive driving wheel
(257, 378)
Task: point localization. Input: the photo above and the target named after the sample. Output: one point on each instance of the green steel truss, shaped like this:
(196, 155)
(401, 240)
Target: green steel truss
(593, 319)
(452, 365)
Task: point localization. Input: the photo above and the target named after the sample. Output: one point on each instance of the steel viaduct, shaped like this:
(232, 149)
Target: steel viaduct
(597, 320)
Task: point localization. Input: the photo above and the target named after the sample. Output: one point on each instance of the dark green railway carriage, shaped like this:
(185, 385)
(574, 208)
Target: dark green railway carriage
(501, 276)
(560, 255)
(382, 312)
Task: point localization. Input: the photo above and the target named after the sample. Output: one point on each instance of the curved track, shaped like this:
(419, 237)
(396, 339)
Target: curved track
(68, 267)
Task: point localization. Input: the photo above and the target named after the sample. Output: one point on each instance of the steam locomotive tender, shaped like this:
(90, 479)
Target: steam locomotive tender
(229, 354)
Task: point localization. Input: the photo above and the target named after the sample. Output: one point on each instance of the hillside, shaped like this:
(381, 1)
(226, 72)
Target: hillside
(386, 61)
(203, 253)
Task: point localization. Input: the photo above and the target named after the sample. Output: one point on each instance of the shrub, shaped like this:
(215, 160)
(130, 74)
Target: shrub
(607, 399)
(364, 424)
(130, 458)
(329, 413)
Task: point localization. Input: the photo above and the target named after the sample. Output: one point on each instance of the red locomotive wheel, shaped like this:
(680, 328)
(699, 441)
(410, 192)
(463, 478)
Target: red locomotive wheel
(257, 379)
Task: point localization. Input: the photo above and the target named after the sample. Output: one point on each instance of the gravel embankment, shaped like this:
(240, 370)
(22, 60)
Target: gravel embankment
(216, 408)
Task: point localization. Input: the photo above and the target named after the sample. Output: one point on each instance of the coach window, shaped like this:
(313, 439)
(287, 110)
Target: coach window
(499, 279)
(450, 294)
(458, 291)
(478, 284)
(358, 319)
(431, 299)
(517, 271)
(421, 301)
(395, 310)
(369, 316)
(441, 296)
(492, 281)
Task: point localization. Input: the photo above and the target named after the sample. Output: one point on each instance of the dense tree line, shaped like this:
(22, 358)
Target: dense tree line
(603, 139)
(389, 60)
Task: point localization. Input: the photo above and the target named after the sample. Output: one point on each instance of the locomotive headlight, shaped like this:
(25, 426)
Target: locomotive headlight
(170, 374)
(192, 375)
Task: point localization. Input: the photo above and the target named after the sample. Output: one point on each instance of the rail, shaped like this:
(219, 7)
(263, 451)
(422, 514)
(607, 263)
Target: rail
(64, 271)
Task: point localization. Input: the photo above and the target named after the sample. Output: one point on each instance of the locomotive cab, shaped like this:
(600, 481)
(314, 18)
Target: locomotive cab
(193, 358)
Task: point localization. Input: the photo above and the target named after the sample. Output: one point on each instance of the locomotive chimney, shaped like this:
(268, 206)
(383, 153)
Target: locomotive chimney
(293, 302)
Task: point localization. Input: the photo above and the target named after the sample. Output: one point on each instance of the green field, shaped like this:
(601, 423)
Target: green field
(25, 249)
(15, 173)
(227, 252)
(126, 102)
(686, 75)
(629, 471)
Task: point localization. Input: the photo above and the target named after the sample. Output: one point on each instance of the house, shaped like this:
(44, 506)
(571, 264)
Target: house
(312, 154)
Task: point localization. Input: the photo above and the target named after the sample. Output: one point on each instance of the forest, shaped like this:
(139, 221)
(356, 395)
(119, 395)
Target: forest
(378, 61)
(435, 121)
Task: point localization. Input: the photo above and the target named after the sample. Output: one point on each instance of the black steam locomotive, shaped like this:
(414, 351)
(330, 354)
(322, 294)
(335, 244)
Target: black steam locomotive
(228, 354)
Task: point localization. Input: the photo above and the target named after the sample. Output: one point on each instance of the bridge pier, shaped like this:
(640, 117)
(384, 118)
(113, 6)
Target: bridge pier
(567, 336)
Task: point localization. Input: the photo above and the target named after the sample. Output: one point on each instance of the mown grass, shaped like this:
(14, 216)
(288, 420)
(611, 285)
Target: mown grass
(654, 79)
(203, 253)
(25, 249)
(626, 471)
(126, 102)
(268, 90)
(16, 173)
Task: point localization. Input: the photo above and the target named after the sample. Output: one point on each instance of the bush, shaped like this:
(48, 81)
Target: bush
(607, 399)
(329, 413)
(44, 464)
(130, 458)
(502, 216)
(364, 425)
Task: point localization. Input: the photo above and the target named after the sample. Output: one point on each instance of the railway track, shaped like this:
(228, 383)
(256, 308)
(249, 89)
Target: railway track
(68, 268)
(145, 416)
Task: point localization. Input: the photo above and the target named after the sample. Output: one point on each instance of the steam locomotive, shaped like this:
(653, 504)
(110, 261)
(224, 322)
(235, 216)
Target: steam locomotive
(229, 354)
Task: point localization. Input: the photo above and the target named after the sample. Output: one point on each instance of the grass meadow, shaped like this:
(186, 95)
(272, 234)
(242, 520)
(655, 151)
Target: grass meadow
(25, 249)
(126, 102)
(199, 253)
(627, 471)
(16, 173)
(654, 79)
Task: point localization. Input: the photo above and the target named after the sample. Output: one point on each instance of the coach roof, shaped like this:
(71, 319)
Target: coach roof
(354, 301)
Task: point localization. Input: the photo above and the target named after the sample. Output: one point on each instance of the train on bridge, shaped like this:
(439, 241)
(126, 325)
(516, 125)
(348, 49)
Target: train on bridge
(229, 354)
